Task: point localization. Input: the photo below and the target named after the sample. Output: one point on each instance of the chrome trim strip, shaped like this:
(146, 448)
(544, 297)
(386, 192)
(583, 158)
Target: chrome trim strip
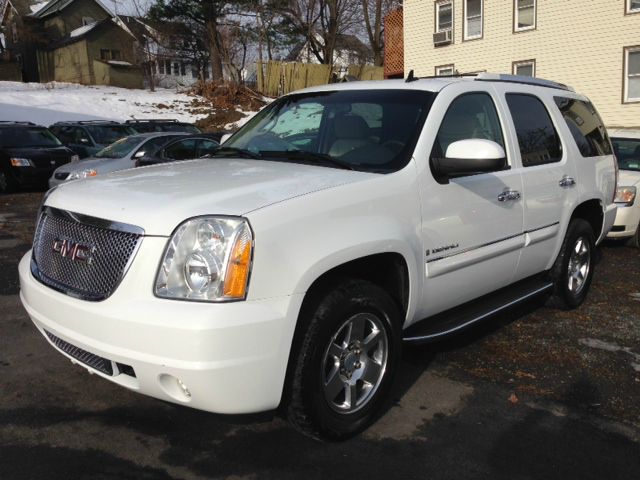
(469, 249)
(93, 221)
(481, 317)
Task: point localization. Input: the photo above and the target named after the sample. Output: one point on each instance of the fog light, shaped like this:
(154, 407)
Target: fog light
(174, 387)
(184, 388)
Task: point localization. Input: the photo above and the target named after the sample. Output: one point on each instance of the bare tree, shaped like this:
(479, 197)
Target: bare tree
(373, 13)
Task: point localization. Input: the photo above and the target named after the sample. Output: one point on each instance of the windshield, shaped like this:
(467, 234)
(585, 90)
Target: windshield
(119, 149)
(627, 152)
(106, 134)
(27, 137)
(366, 130)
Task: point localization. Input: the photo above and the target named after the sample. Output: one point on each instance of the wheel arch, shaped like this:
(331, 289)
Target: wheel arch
(592, 211)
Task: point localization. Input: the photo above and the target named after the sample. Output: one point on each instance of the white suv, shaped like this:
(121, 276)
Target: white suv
(339, 222)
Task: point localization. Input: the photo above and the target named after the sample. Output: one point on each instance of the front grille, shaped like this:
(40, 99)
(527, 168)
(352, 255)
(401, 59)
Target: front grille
(94, 361)
(82, 256)
(62, 175)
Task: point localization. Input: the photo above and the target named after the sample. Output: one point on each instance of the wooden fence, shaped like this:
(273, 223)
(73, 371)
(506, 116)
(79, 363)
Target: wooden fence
(277, 78)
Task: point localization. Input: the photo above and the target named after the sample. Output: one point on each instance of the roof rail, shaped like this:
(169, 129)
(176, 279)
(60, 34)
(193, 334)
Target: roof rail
(86, 122)
(12, 122)
(539, 82)
(151, 120)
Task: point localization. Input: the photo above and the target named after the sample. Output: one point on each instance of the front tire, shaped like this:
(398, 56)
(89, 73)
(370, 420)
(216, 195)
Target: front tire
(345, 362)
(572, 271)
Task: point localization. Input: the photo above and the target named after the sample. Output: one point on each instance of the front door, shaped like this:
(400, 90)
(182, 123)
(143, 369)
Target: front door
(472, 226)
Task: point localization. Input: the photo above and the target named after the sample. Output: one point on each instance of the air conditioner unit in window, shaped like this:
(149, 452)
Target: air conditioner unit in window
(442, 38)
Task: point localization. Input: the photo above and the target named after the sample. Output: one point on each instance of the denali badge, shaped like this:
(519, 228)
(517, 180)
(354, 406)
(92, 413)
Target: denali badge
(76, 251)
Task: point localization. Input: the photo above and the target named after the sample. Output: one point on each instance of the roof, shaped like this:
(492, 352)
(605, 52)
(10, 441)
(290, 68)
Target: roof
(55, 6)
(86, 30)
(624, 133)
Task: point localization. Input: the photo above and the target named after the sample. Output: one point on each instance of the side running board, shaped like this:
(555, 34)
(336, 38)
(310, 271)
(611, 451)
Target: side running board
(452, 321)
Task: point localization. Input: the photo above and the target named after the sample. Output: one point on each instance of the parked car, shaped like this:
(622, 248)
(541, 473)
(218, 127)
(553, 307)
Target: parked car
(162, 125)
(90, 136)
(28, 155)
(187, 148)
(339, 222)
(626, 144)
(117, 156)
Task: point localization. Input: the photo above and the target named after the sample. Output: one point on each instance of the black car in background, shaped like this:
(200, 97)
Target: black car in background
(29, 154)
(184, 148)
(88, 137)
(150, 125)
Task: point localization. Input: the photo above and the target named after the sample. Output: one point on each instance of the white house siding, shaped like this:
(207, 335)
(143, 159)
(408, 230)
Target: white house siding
(575, 42)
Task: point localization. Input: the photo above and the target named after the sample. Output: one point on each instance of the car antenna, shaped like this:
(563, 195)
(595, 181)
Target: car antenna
(410, 77)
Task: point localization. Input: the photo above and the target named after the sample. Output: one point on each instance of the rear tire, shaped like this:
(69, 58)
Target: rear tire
(572, 271)
(344, 365)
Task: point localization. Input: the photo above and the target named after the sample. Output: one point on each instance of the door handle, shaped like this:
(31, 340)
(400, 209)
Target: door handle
(567, 182)
(509, 195)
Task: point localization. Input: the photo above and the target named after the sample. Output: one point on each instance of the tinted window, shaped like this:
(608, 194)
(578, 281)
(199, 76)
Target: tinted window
(585, 126)
(537, 138)
(181, 150)
(151, 147)
(105, 135)
(119, 149)
(27, 137)
(472, 115)
(627, 152)
(207, 147)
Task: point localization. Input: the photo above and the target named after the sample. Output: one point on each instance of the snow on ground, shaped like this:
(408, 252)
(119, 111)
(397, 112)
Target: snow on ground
(48, 103)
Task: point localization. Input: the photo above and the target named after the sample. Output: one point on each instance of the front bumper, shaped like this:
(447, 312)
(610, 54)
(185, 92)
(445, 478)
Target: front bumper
(626, 222)
(609, 219)
(231, 357)
(31, 176)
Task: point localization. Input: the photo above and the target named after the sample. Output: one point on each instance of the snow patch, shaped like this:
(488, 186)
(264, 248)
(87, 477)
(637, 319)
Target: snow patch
(82, 30)
(36, 7)
(118, 62)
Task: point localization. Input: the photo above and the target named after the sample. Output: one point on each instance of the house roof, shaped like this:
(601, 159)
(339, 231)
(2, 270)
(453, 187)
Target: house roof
(87, 30)
(55, 6)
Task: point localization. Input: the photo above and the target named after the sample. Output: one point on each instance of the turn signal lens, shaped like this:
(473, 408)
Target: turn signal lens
(235, 282)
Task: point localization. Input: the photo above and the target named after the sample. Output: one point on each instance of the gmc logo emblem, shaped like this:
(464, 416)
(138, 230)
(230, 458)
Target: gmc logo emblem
(76, 251)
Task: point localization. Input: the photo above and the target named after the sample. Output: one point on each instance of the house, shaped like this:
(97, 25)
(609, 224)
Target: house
(171, 51)
(78, 41)
(593, 46)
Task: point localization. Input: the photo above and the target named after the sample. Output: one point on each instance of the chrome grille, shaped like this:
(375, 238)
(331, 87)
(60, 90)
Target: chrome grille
(108, 248)
(94, 361)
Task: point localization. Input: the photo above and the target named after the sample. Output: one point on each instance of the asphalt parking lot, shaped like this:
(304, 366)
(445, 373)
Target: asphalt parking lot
(533, 394)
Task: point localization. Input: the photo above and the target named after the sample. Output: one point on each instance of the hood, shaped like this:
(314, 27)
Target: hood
(42, 157)
(100, 165)
(628, 178)
(160, 197)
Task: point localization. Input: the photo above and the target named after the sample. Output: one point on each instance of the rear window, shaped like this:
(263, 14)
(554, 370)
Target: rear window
(107, 134)
(585, 126)
(27, 137)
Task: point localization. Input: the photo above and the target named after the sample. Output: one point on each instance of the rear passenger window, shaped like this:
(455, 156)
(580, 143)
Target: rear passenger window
(585, 126)
(538, 140)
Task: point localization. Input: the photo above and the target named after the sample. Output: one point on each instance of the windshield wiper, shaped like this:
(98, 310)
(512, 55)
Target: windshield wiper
(233, 151)
(308, 156)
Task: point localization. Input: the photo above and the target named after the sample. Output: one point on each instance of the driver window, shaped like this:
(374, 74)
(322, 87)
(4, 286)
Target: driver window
(472, 115)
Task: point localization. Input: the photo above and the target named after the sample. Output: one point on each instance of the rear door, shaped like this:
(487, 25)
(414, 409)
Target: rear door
(549, 178)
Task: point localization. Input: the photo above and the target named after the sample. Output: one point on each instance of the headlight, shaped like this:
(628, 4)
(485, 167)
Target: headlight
(82, 174)
(21, 162)
(207, 259)
(75, 158)
(625, 195)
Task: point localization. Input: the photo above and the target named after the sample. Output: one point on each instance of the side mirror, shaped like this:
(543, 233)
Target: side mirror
(84, 141)
(469, 157)
(139, 154)
(225, 137)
